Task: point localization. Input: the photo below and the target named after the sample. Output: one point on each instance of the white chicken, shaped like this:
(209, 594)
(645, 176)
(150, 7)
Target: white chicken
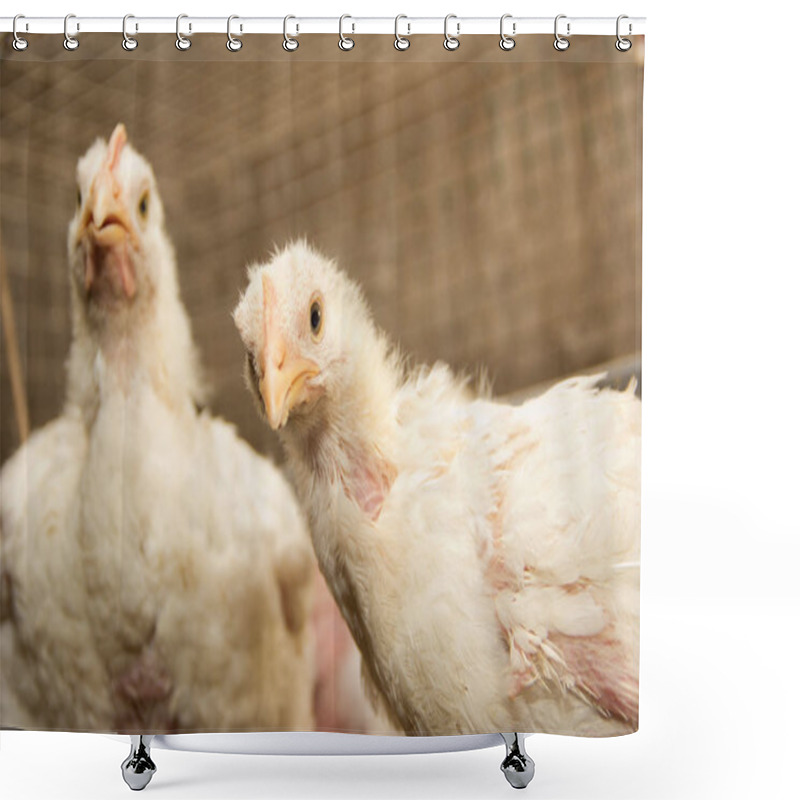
(485, 556)
(157, 573)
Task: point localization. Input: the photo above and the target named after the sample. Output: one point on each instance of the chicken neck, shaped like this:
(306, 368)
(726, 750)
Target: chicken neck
(150, 343)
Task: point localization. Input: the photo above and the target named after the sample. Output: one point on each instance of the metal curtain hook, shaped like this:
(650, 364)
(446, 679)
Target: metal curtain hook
(19, 44)
(345, 42)
(451, 42)
(290, 43)
(623, 45)
(128, 42)
(233, 44)
(400, 42)
(560, 43)
(70, 42)
(181, 42)
(507, 42)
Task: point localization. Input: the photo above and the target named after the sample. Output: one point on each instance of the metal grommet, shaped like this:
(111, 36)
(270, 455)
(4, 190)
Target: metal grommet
(181, 42)
(560, 43)
(400, 42)
(623, 45)
(290, 43)
(70, 42)
(128, 42)
(19, 44)
(507, 42)
(451, 42)
(345, 42)
(233, 44)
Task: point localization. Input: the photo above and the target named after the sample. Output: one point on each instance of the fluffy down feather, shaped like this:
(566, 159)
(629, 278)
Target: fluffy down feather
(485, 556)
(157, 573)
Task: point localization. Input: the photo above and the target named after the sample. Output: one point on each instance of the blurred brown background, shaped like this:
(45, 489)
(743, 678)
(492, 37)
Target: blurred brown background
(488, 202)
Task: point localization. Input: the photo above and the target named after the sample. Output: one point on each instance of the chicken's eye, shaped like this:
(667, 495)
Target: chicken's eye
(80, 197)
(144, 203)
(315, 318)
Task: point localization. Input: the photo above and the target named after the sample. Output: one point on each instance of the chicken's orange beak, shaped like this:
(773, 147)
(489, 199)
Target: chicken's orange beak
(283, 385)
(284, 372)
(105, 222)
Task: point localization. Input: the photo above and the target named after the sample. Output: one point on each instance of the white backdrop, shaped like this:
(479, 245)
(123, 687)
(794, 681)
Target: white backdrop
(721, 536)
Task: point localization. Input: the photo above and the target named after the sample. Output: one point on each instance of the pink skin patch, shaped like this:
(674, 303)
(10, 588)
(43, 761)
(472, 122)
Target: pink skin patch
(597, 668)
(142, 693)
(334, 647)
(598, 665)
(368, 481)
(109, 272)
(602, 669)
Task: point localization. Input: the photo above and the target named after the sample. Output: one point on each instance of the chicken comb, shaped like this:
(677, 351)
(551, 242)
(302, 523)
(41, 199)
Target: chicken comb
(118, 140)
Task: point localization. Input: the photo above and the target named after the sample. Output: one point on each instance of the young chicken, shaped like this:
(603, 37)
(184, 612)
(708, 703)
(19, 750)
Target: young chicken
(157, 573)
(485, 556)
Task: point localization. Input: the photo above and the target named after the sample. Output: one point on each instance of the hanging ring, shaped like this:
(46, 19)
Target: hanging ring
(182, 43)
(19, 44)
(345, 42)
(451, 42)
(560, 44)
(70, 42)
(401, 42)
(290, 43)
(128, 42)
(623, 45)
(507, 42)
(233, 44)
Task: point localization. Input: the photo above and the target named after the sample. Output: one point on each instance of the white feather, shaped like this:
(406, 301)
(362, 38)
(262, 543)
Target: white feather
(497, 587)
(159, 571)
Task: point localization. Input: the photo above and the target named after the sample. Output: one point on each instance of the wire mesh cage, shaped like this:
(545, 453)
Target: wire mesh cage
(489, 208)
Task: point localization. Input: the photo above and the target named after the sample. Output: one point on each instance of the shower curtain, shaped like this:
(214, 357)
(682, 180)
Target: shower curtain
(320, 386)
